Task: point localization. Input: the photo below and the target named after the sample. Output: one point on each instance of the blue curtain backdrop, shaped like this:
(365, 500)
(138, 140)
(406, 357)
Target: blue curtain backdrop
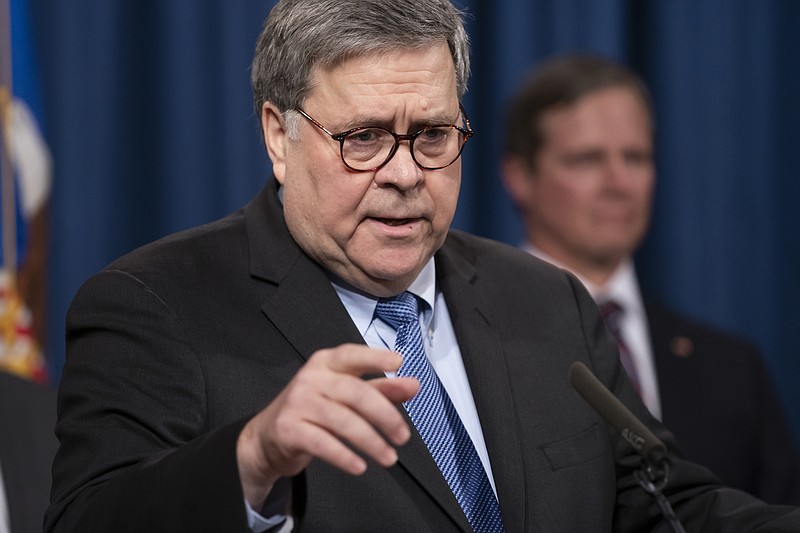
(150, 120)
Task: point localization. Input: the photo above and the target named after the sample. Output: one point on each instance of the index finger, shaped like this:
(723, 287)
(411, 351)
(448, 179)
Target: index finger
(359, 359)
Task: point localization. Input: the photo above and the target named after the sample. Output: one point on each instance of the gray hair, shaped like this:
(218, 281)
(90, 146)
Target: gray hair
(299, 35)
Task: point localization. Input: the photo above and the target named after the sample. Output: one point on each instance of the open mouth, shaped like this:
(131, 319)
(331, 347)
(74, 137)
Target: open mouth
(395, 221)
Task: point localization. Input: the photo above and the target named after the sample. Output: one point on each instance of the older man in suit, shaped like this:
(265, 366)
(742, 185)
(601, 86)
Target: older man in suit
(215, 380)
(27, 447)
(579, 165)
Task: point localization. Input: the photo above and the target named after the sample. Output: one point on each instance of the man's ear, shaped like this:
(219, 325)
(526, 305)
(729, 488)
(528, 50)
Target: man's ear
(517, 178)
(275, 139)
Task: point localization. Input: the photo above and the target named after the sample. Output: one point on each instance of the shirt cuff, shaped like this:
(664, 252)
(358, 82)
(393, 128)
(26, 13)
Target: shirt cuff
(259, 524)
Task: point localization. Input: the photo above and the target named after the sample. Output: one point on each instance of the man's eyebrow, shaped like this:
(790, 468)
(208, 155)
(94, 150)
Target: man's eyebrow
(359, 121)
(443, 118)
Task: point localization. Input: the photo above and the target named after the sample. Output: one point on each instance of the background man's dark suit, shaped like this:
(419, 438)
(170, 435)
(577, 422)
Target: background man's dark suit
(718, 401)
(27, 446)
(184, 339)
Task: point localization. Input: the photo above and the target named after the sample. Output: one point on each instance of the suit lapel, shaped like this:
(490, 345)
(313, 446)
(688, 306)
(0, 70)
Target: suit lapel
(481, 349)
(672, 353)
(415, 459)
(659, 339)
(482, 352)
(303, 305)
(306, 309)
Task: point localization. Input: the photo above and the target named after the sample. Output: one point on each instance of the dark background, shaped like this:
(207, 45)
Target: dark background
(147, 109)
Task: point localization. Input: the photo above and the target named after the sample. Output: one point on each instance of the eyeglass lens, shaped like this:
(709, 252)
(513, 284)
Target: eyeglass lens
(432, 147)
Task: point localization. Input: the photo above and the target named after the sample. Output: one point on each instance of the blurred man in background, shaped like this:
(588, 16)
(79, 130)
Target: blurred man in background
(578, 164)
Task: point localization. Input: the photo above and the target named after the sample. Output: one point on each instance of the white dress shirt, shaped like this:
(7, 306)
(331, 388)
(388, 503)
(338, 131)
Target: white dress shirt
(623, 288)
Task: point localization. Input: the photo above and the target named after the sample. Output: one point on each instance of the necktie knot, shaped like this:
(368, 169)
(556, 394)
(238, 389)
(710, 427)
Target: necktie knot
(399, 310)
(612, 313)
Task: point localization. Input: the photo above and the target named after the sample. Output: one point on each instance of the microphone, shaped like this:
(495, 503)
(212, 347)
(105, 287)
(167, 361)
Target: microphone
(655, 472)
(616, 414)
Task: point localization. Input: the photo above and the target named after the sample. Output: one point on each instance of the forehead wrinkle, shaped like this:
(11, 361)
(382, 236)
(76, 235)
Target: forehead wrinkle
(372, 91)
(386, 87)
(374, 110)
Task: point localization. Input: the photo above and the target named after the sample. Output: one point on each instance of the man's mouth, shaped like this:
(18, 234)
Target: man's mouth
(395, 221)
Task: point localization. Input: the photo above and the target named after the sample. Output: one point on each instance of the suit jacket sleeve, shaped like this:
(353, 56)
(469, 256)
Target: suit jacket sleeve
(135, 453)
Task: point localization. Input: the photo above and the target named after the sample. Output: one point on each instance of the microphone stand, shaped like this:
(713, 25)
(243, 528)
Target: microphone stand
(652, 478)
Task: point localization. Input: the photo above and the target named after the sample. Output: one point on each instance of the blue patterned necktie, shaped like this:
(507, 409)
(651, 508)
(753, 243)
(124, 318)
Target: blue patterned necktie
(437, 421)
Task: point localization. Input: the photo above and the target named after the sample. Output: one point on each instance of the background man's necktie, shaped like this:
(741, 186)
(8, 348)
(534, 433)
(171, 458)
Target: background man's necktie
(437, 421)
(612, 315)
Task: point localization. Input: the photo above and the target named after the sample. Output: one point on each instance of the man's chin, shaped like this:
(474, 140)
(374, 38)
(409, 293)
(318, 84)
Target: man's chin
(386, 280)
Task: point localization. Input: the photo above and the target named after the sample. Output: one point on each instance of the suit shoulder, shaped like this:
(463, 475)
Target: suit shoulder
(496, 255)
(190, 248)
(667, 321)
(702, 348)
(190, 262)
(507, 272)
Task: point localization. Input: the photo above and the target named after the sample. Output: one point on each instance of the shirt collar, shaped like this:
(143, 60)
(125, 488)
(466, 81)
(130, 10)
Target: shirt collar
(361, 306)
(622, 286)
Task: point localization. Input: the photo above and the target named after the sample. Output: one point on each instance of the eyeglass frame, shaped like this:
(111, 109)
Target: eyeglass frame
(410, 137)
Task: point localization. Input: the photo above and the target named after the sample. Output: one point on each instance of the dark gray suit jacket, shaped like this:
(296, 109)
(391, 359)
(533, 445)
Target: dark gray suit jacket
(27, 446)
(718, 400)
(173, 347)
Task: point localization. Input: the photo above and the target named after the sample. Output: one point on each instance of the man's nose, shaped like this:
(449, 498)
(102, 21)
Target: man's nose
(401, 170)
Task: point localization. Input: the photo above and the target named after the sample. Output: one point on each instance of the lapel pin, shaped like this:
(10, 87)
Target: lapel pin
(682, 346)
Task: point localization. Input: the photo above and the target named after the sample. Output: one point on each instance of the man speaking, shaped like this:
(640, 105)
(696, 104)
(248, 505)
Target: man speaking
(332, 357)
